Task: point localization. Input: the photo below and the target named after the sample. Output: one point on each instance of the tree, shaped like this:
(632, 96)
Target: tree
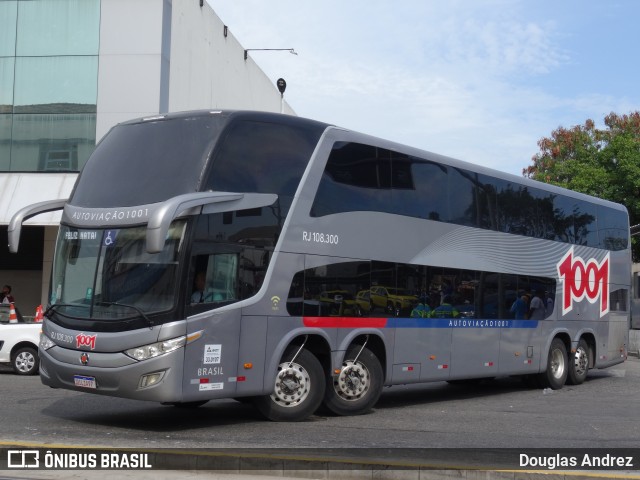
(601, 162)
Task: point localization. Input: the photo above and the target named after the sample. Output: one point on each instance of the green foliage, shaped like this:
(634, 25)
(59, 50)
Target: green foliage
(601, 162)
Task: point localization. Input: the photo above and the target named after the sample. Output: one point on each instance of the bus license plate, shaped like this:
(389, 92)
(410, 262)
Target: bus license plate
(86, 382)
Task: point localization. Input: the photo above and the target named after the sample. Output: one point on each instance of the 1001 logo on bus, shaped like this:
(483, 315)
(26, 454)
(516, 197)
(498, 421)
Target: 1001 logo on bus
(582, 280)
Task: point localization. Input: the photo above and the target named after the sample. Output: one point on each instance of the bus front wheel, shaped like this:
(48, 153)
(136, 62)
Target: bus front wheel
(555, 375)
(358, 386)
(579, 364)
(298, 389)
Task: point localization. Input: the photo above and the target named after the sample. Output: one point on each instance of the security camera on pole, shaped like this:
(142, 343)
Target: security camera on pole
(282, 86)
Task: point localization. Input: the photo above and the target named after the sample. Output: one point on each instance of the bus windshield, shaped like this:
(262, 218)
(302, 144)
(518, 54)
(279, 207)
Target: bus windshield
(108, 275)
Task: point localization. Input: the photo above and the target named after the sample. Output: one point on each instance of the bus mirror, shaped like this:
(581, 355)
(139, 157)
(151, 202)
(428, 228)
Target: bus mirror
(196, 203)
(25, 213)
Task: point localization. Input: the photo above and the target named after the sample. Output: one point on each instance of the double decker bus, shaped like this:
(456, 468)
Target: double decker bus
(229, 254)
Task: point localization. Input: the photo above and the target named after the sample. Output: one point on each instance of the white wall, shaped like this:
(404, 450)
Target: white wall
(208, 70)
(144, 58)
(130, 59)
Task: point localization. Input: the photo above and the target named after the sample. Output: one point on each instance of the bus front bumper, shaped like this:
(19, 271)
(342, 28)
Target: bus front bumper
(156, 379)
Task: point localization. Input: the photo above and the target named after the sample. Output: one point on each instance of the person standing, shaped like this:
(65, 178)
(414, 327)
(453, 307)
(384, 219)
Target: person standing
(549, 302)
(519, 307)
(6, 294)
(537, 308)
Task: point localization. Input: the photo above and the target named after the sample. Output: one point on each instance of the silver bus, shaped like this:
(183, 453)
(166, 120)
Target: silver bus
(264, 257)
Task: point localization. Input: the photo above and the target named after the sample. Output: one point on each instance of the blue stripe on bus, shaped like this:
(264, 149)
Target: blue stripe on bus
(459, 323)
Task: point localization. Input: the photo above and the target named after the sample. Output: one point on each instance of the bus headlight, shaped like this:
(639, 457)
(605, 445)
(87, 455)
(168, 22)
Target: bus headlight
(156, 349)
(45, 342)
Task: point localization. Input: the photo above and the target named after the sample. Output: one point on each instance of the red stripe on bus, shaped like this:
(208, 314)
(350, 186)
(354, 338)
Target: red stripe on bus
(344, 322)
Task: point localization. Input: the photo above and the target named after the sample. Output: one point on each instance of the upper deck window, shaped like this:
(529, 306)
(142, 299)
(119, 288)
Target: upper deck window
(360, 177)
(262, 157)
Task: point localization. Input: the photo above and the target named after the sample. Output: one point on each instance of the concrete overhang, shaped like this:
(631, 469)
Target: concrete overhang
(17, 190)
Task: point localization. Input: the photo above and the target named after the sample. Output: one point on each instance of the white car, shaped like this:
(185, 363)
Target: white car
(19, 343)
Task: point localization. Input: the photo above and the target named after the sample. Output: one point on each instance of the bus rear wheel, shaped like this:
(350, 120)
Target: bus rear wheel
(579, 364)
(555, 375)
(358, 386)
(298, 389)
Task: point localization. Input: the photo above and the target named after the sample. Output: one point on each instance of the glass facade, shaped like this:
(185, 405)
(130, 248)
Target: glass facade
(48, 83)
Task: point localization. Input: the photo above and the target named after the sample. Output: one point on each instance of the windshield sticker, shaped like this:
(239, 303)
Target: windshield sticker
(212, 353)
(110, 237)
(83, 235)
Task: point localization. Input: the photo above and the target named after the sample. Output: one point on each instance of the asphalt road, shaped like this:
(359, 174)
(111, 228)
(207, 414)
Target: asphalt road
(603, 412)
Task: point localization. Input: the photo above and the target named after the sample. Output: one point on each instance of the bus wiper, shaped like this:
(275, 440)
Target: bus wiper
(140, 312)
(52, 308)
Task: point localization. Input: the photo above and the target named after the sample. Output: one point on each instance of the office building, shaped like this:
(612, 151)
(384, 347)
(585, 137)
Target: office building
(71, 69)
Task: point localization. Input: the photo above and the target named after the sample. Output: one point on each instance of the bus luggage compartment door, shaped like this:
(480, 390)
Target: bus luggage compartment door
(210, 367)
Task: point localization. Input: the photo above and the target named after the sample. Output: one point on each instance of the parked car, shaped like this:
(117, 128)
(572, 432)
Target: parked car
(394, 301)
(363, 303)
(338, 302)
(19, 342)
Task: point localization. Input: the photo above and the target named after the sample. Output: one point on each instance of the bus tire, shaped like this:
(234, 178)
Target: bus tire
(555, 375)
(298, 389)
(579, 364)
(25, 361)
(358, 386)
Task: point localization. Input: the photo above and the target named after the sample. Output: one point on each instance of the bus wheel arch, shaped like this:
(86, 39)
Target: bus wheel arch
(358, 385)
(557, 368)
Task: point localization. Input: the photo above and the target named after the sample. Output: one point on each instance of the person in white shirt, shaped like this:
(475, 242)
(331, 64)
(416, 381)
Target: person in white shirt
(537, 308)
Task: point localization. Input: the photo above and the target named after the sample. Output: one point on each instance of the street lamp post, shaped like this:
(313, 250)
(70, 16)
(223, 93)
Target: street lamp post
(290, 50)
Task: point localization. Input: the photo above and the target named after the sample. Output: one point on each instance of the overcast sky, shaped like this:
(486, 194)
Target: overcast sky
(478, 80)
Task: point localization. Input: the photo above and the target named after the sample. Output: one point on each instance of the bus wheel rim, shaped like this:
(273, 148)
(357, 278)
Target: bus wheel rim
(292, 385)
(557, 364)
(353, 382)
(581, 361)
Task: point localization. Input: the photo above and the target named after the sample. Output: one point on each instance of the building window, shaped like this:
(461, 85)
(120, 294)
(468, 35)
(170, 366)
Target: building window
(58, 27)
(8, 16)
(48, 83)
(52, 142)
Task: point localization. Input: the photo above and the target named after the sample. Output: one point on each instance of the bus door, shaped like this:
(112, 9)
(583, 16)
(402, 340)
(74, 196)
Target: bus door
(210, 369)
